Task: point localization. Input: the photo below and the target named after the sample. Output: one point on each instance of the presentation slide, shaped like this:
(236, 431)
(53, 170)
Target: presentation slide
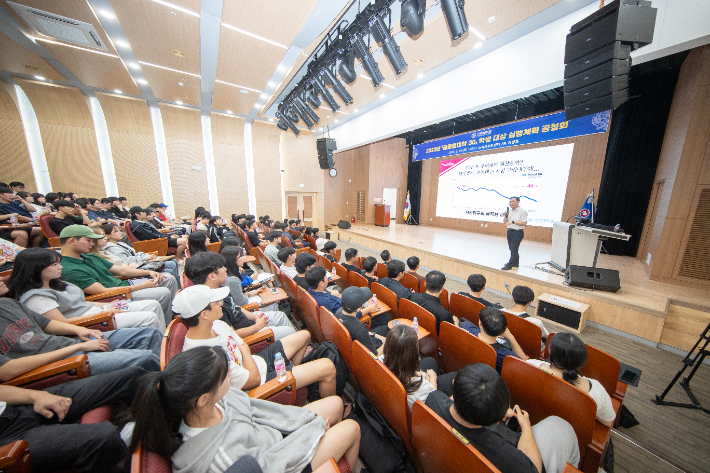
(480, 187)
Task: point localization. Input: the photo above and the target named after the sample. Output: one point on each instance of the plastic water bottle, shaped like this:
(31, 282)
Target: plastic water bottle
(333, 272)
(415, 324)
(280, 366)
(374, 298)
(13, 220)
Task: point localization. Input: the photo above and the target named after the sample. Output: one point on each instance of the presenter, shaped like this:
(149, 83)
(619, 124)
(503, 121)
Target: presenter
(516, 220)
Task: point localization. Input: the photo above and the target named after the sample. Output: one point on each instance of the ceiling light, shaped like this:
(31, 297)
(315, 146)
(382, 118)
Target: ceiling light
(253, 35)
(178, 53)
(412, 16)
(382, 96)
(181, 84)
(133, 65)
(40, 78)
(169, 69)
(327, 116)
(244, 91)
(477, 33)
(178, 102)
(335, 121)
(455, 18)
(271, 84)
(356, 110)
(123, 44)
(184, 10)
(143, 81)
(264, 96)
(271, 119)
(281, 68)
(236, 85)
(75, 47)
(478, 45)
(229, 111)
(491, 19)
(257, 105)
(418, 62)
(106, 14)
(173, 13)
(419, 76)
(117, 91)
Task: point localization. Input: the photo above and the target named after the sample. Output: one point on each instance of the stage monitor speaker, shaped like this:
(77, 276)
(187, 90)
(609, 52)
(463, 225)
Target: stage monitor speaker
(325, 147)
(343, 224)
(593, 278)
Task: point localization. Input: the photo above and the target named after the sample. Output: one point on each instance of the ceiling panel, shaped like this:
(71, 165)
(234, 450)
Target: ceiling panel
(226, 97)
(154, 32)
(276, 20)
(15, 58)
(237, 64)
(165, 85)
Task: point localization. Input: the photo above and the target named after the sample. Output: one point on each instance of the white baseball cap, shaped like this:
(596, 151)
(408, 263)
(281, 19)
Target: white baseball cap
(192, 300)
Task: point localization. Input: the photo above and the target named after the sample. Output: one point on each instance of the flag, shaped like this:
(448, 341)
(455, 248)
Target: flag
(407, 209)
(587, 210)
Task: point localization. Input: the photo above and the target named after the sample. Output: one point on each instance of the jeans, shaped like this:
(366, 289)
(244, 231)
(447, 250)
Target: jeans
(514, 239)
(171, 268)
(129, 347)
(164, 294)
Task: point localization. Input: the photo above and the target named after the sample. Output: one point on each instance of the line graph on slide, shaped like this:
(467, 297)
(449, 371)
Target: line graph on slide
(522, 196)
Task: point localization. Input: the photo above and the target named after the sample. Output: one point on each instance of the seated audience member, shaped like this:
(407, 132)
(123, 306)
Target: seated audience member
(69, 213)
(50, 198)
(319, 240)
(303, 263)
(35, 282)
(351, 260)
(413, 265)
(26, 196)
(329, 251)
(234, 257)
(48, 421)
(39, 200)
(430, 301)
(145, 231)
(477, 284)
(161, 209)
(16, 187)
(119, 207)
(353, 299)
(479, 412)
(523, 296)
(102, 209)
(287, 256)
(218, 423)
(210, 269)
(202, 220)
(272, 250)
(95, 275)
(10, 205)
(369, 269)
(395, 271)
(493, 329)
(325, 296)
(197, 242)
(53, 340)
(215, 229)
(283, 228)
(567, 355)
(252, 235)
(385, 255)
(402, 359)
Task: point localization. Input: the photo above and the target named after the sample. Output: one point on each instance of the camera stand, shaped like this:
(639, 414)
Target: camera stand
(695, 362)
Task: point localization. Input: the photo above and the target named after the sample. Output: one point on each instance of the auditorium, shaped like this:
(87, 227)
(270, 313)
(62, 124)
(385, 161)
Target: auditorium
(276, 237)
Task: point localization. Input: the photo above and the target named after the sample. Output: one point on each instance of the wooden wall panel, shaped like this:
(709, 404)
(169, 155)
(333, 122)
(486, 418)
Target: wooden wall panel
(388, 168)
(341, 192)
(299, 158)
(267, 170)
(230, 164)
(15, 164)
(68, 136)
(183, 139)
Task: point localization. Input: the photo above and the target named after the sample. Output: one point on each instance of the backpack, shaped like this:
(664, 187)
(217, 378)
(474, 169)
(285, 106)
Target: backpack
(328, 350)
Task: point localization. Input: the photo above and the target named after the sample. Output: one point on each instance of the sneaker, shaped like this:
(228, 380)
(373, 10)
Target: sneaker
(506, 267)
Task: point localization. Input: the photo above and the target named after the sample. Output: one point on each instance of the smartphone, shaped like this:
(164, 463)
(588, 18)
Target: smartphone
(274, 290)
(507, 211)
(629, 377)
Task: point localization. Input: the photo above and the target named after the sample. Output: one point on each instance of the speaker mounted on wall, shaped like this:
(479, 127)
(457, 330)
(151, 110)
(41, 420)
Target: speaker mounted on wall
(325, 147)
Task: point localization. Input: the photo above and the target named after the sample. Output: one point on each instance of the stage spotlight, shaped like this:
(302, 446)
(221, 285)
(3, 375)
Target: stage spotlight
(337, 86)
(302, 115)
(286, 120)
(455, 17)
(291, 115)
(412, 16)
(383, 36)
(302, 107)
(312, 97)
(347, 67)
(368, 62)
(320, 88)
(282, 124)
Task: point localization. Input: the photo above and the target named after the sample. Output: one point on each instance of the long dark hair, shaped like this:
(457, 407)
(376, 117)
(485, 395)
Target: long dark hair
(229, 241)
(196, 242)
(402, 356)
(27, 271)
(231, 253)
(107, 228)
(163, 398)
(568, 353)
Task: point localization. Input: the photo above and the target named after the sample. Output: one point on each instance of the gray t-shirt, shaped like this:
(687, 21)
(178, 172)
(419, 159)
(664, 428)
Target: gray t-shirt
(273, 253)
(23, 332)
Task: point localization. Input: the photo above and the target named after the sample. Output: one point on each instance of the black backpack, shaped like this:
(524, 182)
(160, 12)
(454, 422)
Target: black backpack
(328, 350)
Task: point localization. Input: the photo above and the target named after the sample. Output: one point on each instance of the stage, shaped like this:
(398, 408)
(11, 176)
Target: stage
(656, 312)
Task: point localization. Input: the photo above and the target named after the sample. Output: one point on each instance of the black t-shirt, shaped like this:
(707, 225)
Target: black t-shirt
(253, 238)
(301, 281)
(59, 224)
(351, 267)
(331, 258)
(233, 316)
(120, 213)
(496, 442)
(359, 332)
(433, 305)
(396, 287)
(479, 299)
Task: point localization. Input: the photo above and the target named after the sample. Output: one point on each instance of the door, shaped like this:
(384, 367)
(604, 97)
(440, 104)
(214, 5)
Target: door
(389, 197)
(301, 205)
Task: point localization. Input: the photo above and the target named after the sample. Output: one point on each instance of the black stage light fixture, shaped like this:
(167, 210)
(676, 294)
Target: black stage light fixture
(283, 118)
(302, 115)
(306, 109)
(368, 62)
(455, 17)
(291, 115)
(337, 86)
(347, 67)
(320, 88)
(383, 36)
(312, 97)
(282, 124)
(412, 17)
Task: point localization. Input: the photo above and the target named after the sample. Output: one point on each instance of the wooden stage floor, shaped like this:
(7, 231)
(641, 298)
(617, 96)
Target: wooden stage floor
(639, 308)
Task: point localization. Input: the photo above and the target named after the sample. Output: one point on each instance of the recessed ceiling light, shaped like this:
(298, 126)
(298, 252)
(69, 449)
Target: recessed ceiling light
(327, 116)
(173, 13)
(355, 110)
(178, 102)
(419, 76)
(106, 14)
(117, 91)
(178, 53)
(143, 81)
(181, 84)
(133, 65)
(244, 91)
(336, 120)
(257, 105)
(123, 44)
(32, 68)
(418, 62)
(264, 96)
(382, 96)
(478, 45)
(229, 111)
(271, 84)
(40, 78)
(491, 19)
(271, 119)
(281, 68)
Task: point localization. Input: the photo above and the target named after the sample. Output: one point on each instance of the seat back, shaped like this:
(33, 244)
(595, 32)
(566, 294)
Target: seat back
(357, 280)
(410, 282)
(291, 288)
(358, 262)
(602, 367)
(309, 314)
(381, 270)
(185, 281)
(528, 335)
(173, 340)
(44, 225)
(129, 232)
(542, 395)
(214, 247)
(334, 331)
(323, 262)
(262, 258)
(425, 319)
(440, 448)
(342, 274)
(387, 296)
(460, 348)
(465, 308)
(311, 241)
(285, 242)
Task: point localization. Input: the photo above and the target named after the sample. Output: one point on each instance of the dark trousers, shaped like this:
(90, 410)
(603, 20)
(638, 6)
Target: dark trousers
(58, 445)
(444, 382)
(514, 239)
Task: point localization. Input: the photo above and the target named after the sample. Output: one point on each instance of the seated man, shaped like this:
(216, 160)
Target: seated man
(199, 309)
(69, 213)
(102, 209)
(202, 221)
(369, 269)
(119, 207)
(95, 275)
(353, 299)
(272, 250)
(16, 187)
(493, 329)
(143, 230)
(413, 265)
(48, 421)
(385, 255)
(329, 251)
(523, 296)
(303, 263)
(479, 410)
(252, 235)
(283, 227)
(351, 260)
(210, 269)
(477, 284)
(429, 300)
(31, 340)
(10, 205)
(325, 296)
(395, 271)
(287, 256)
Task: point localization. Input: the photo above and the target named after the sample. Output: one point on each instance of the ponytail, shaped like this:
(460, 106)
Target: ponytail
(570, 375)
(153, 430)
(568, 353)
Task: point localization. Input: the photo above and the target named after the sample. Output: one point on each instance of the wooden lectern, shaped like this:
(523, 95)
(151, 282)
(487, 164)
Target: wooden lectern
(382, 215)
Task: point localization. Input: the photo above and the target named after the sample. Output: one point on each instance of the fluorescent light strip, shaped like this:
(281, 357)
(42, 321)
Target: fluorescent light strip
(75, 47)
(238, 86)
(383, 83)
(184, 10)
(477, 33)
(252, 35)
(169, 69)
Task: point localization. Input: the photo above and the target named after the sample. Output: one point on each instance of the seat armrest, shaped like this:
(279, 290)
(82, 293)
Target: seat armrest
(14, 453)
(620, 390)
(80, 363)
(266, 335)
(600, 435)
(251, 306)
(272, 387)
(116, 291)
(95, 319)
(366, 321)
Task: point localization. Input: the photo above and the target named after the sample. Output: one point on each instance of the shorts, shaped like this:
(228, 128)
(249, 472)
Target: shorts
(269, 353)
(6, 233)
(172, 243)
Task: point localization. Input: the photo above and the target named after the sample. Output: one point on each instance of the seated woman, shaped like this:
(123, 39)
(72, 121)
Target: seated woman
(35, 282)
(567, 355)
(419, 377)
(189, 414)
(235, 262)
(236, 272)
(196, 243)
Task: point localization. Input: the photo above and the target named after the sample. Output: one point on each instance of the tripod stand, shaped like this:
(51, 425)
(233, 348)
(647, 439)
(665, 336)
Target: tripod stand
(695, 362)
(411, 221)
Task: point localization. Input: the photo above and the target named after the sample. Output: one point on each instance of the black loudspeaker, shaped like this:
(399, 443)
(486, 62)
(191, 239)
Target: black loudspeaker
(597, 56)
(344, 224)
(593, 278)
(325, 147)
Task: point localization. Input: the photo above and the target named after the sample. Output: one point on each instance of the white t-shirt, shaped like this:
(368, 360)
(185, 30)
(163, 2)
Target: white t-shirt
(420, 394)
(189, 432)
(533, 320)
(517, 215)
(605, 411)
(42, 304)
(228, 339)
(289, 271)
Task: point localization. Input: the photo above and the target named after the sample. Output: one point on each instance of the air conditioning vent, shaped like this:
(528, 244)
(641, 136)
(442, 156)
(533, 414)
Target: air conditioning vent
(59, 27)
